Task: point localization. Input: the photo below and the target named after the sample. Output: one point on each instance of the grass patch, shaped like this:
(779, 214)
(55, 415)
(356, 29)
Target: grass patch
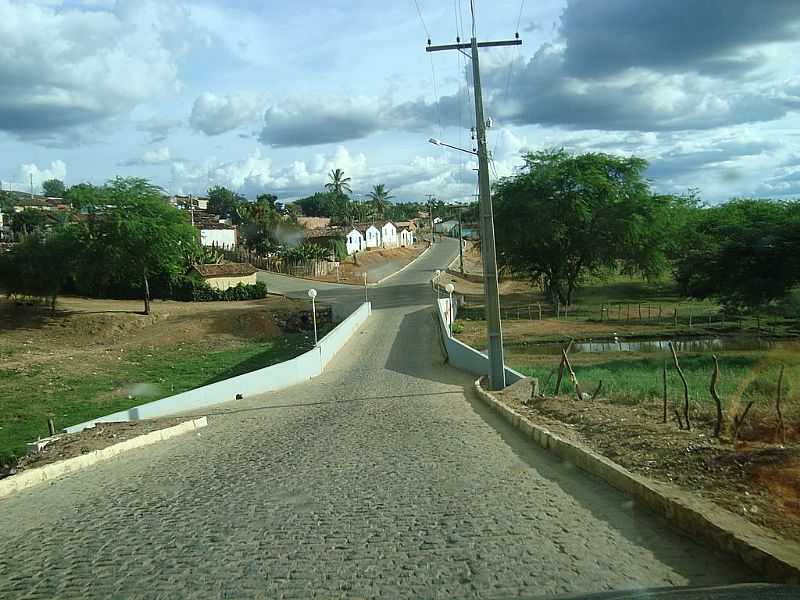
(633, 379)
(31, 393)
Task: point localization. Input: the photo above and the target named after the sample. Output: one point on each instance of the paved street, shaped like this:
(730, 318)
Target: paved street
(383, 478)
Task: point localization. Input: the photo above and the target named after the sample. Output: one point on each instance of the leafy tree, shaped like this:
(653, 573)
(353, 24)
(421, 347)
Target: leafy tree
(54, 188)
(745, 252)
(28, 220)
(139, 236)
(40, 264)
(85, 197)
(379, 197)
(566, 216)
(338, 184)
(226, 203)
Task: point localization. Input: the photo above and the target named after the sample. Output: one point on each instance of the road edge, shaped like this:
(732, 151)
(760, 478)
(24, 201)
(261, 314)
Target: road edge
(31, 477)
(779, 560)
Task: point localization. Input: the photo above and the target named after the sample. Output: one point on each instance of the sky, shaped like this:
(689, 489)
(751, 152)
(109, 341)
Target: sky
(269, 96)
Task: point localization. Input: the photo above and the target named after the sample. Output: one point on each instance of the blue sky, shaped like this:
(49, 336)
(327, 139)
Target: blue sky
(269, 96)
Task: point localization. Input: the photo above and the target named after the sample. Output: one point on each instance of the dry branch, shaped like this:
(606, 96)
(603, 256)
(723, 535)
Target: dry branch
(664, 381)
(715, 396)
(561, 369)
(685, 388)
(739, 419)
(572, 375)
(781, 428)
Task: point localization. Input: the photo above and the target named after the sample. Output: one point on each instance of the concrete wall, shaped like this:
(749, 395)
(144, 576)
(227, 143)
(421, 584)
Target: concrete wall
(459, 354)
(268, 379)
(223, 283)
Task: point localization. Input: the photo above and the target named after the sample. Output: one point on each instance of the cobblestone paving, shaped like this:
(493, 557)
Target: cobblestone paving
(383, 478)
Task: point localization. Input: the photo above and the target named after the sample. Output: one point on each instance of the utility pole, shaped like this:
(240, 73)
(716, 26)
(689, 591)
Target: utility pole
(460, 242)
(430, 214)
(497, 373)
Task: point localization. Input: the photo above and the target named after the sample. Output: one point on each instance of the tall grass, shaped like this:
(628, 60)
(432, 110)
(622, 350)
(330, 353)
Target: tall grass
(745, 376)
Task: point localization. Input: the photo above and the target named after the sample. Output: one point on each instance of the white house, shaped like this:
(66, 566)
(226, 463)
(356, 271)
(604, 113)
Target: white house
(222, 236)
(373, 237)
(389, 235)
(406, 237)
(355, 241)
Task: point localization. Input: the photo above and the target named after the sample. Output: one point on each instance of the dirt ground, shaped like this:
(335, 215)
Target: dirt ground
(376, 262)
(756, 478)
(99, 437)
(84, 331)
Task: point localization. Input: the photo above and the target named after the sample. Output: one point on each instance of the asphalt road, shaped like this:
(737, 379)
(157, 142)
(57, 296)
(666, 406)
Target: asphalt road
(382, 478)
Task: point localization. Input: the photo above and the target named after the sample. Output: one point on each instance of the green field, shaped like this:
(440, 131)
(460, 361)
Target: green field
(31, 394)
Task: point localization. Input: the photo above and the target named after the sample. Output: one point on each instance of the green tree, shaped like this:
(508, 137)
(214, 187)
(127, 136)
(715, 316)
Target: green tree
(745, 252)
(226, 203)
(379, 198)
(139, 236)
(41, 264)
(338, 184)
(85, 197)
(566, 216)
(53, 188)
(27, 221)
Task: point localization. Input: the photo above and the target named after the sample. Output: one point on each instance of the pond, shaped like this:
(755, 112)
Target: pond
(707, 344)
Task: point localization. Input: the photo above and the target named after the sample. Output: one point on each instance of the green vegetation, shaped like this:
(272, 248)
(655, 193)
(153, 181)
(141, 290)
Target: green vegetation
(53, 188)
(568, 218)
(632, 378)
(32, 392)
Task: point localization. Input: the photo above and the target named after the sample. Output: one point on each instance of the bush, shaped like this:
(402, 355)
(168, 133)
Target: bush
(194, 289)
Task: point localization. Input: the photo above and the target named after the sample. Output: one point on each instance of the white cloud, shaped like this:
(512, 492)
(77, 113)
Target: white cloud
(214, 115)
(64, 67)
(31, 171)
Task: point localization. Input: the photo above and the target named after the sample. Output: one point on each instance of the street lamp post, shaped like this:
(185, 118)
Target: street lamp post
(450, 287)
(312, 293)
(438, 274)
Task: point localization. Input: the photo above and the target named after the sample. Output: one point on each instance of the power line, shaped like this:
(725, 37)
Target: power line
(422, 20)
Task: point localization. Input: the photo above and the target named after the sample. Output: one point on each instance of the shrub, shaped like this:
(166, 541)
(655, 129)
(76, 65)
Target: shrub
(194, 289)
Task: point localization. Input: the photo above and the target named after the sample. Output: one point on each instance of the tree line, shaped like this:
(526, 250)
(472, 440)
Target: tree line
(564, 217)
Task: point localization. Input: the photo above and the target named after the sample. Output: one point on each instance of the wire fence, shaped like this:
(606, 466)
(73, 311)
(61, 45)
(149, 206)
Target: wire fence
(623, 312)
(277, 264)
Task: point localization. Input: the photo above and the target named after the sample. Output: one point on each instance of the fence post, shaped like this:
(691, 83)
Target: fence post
(539, 304)
(640, 311)
(675, 322)
(619, 312)
(628, 316)
(690, 318)
(659, 312)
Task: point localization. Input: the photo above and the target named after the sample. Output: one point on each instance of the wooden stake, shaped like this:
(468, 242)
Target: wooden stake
(781, 428)
(685, 388)
(715, 396)
(561, 370)
(664, 382)
(572, 376)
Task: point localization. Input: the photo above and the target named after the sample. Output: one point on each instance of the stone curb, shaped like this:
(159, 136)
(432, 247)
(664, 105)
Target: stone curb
(765, 553)
(31, 477)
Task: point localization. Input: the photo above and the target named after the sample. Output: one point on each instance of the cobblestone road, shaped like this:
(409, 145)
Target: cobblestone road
(383, 478)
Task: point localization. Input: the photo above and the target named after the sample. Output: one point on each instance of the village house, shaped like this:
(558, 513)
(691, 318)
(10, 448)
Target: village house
(406, 237)
(410, 225)
(373, 237)
(227, 275)
(215, 231)
(355, 241)
(389, 235)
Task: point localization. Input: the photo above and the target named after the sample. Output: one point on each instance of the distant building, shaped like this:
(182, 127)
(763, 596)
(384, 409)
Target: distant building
(215, 231)
(314, 222)
(355, 241)
(406, 237)
(388, 235)
(189, 202)
(373, 237)
(227, 275)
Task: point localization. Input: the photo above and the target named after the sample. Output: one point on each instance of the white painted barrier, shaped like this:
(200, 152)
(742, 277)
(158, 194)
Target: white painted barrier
(276, 377)
(459, 354)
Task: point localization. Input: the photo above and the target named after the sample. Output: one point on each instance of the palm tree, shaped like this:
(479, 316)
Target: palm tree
(380, 197)
(339, 184)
